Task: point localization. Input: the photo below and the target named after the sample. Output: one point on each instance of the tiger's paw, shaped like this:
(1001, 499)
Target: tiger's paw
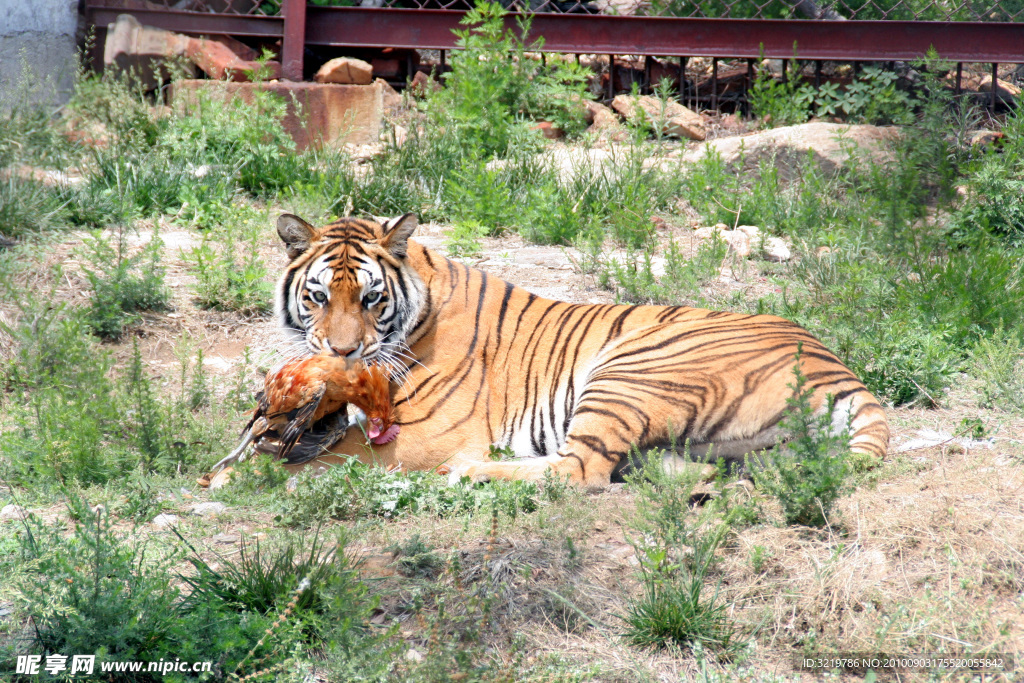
(457, 472)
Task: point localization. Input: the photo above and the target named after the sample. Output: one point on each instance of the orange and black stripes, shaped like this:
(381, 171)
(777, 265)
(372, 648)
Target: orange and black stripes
(482, 361)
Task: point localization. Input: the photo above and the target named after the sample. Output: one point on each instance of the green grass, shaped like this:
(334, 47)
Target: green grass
(917, 287)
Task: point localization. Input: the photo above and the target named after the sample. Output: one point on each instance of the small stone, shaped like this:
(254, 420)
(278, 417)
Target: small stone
(412, 655)
(422, 84)
(775, 249)
(345, 70)
(208, 509)
(751, 231)
(401, 135)
(225, 538)
(13, 511)
(600, 525)
(164, 520)
(549, 130)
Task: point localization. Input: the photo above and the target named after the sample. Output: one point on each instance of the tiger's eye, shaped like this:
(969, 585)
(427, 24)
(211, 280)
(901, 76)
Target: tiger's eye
(371, 298)
(318, 296)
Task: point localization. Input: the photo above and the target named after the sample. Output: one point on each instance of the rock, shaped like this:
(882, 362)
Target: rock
(1004, 91)
(604, 122)
(675, 119)
(421, 84)
(986, 138)
(787, 148)
(13, 512)
(776, 249)
(164, 520)
(549, 130)
(345, 70)
(225, 538)
(412, 655)
(208, 509)
(391, 99)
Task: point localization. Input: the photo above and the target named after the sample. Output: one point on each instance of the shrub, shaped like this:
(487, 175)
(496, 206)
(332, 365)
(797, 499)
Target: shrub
(676, 545)
(121, 284)
(103, 594)
(808, 470)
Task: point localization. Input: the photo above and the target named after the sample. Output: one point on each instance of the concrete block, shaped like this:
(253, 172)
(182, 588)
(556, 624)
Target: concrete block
(319, 114)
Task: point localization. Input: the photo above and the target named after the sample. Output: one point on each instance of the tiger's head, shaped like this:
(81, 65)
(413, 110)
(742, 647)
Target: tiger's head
(347, 290)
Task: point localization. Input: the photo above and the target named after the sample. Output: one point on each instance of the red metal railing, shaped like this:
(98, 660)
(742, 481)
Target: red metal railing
(654, 28)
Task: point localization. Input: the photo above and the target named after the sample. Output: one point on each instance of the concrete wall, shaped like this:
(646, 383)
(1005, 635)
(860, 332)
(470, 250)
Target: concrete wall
(38, 35)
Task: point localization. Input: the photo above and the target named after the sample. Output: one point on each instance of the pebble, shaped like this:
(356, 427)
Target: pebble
(208, 509)
(12, 511)
(164, 520)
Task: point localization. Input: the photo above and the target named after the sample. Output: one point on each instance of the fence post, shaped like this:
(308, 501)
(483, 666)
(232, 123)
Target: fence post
(293, 40)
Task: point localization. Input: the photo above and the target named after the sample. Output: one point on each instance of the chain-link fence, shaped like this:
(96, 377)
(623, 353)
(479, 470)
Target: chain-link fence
(906, 10)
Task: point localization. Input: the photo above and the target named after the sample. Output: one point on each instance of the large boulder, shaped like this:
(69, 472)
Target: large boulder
(829, 144)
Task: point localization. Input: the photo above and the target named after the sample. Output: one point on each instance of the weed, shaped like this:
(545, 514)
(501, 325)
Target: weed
(783, 103)
(121, 284)
(808, 470)
(261, 579)
(27, 206)
(998, 361)
(354, 490)
(416, 558)
(636, 281)
(100, 593)
(493, 85)
(676, 546)
(230, 273)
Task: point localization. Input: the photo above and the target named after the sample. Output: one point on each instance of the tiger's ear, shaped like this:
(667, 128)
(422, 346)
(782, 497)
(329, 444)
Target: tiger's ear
(396, 234)
(296, 233)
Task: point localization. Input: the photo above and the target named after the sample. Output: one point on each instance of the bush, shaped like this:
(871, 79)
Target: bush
(807, 471)
(122, 285)
(103, 594)
(676, 545)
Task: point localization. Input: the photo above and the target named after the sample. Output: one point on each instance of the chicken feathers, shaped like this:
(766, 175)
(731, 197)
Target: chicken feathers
(303, 391)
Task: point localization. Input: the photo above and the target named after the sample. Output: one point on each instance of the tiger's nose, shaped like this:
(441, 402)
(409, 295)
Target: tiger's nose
(350, 352)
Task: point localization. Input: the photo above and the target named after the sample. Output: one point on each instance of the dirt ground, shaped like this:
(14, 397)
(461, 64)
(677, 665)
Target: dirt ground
(929, 549)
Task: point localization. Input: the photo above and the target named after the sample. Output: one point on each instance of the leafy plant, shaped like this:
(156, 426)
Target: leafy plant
(808, 470)
(230, 273)
(676, 545)
(121, 284)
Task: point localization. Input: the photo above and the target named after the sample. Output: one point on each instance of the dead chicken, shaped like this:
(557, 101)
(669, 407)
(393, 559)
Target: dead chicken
(303, 391)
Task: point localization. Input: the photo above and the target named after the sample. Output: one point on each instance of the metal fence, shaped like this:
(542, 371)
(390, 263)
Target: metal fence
(984, 32)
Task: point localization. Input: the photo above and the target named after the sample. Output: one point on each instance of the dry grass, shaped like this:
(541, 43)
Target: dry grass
(926, 556)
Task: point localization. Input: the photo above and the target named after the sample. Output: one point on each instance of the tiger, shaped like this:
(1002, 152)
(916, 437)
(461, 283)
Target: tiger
(571, 390)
